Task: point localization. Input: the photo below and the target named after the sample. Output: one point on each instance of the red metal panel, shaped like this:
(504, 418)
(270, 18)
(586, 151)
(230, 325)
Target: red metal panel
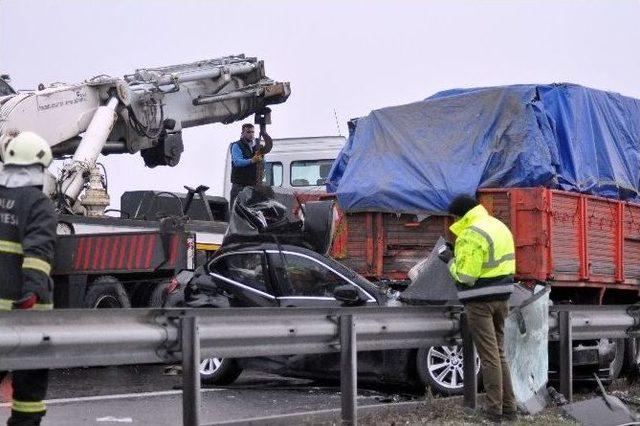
(95, 263)
(583, 249)
(602, 229)
(132, 251)
(408, 239)
(86, 255)
(355, 237)
(106, 253)
(142, 243)
(115, 253)
(548, 251)
(368, 221)
(78, 255)
(173, 256)
(619, 243)
(126, 242)
(379, 246)
(631, 246)
(525, 211)
(339, 247)
(567, 244)
(151, 245)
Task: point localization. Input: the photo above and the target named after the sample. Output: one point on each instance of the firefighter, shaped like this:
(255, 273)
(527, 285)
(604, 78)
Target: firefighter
(482, 264)
(247, 155)
(27, 243)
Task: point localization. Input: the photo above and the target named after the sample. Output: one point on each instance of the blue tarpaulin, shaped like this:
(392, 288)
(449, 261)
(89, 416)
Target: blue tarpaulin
(417, 157)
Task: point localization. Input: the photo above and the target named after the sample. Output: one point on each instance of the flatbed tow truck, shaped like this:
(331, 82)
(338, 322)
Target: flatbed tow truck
(107, 262)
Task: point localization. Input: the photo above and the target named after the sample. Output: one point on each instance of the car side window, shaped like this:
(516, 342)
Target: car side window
(245, 268)
(306, 277)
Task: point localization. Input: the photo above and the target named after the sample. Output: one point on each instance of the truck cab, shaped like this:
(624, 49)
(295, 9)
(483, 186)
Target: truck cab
(295, 164)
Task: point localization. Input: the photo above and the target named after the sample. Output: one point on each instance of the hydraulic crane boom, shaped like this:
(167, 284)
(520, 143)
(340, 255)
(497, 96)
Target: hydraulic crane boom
(144, 111)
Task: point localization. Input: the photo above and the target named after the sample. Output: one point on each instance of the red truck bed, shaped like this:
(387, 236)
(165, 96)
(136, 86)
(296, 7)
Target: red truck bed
(572, 240)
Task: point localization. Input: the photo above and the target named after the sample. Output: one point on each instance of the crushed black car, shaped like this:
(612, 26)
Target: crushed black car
(271, 258)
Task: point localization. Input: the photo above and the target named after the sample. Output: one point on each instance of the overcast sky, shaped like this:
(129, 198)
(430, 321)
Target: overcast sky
(347, 56)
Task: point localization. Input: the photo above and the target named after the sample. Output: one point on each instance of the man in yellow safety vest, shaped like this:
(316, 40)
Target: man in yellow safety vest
(483, 266)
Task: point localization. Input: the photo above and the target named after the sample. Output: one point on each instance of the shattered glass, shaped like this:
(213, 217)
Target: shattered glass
(526, 332)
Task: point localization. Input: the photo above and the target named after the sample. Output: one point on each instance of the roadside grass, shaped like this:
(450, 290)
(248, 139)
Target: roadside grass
(449, 412)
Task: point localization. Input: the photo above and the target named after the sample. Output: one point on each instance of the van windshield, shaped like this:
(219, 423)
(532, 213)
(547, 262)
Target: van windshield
(272, 174)
(310, 172)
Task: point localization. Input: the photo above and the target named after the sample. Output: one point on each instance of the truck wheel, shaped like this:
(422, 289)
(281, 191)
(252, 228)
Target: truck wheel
(106, 293)
(440, 368)
(161, 298)
(219, 371)
(615, 368)
(631, 367)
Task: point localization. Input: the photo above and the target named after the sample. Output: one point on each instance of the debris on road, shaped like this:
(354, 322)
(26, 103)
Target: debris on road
(605, 410)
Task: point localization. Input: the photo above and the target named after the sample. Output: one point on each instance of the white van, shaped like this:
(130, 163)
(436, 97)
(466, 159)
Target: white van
(301, 164)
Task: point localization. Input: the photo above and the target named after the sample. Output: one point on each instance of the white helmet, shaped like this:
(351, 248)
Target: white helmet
(25, 149)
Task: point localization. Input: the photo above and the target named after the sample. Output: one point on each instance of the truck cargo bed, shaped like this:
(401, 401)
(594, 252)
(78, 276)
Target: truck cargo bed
(568, 239)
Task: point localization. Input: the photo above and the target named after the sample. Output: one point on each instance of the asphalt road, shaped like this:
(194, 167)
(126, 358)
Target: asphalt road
(146, 396)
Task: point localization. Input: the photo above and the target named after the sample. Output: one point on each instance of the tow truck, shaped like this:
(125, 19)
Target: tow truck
(103, 261)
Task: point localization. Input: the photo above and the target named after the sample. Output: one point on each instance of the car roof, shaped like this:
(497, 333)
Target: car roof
(251, 246)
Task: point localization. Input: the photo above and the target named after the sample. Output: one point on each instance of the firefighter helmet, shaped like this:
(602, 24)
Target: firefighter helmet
(25, 149)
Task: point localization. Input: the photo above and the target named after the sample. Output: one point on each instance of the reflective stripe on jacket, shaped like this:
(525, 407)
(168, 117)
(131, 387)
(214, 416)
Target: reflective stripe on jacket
(484, 264)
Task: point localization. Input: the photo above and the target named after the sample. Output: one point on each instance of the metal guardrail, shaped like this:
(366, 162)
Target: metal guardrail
(79, 338)
(82, 338)
(569, 322)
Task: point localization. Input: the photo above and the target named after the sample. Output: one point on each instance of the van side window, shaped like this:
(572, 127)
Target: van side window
(272, 174)
(310, 172)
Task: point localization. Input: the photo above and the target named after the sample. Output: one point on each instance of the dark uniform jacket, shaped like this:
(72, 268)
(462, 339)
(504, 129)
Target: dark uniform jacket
(27, 243)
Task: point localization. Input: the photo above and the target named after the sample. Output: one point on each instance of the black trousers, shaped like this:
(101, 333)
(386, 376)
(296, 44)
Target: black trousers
(29, 386)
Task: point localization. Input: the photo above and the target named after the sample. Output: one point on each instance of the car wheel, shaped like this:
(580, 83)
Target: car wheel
(440, 368)
(106, 293)
(219, 371)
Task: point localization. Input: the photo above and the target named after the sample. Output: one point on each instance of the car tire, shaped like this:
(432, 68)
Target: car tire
(440, 368)
(160, 299)
(219, 371)
(106, 292)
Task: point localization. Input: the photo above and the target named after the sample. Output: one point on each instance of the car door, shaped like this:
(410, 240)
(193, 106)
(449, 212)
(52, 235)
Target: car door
(304, 281)
(244, 278)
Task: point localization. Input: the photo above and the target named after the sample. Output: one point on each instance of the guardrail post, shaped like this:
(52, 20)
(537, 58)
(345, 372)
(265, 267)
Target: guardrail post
(348, 370)
(566, 355)
(470, 390)
(190, 371)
